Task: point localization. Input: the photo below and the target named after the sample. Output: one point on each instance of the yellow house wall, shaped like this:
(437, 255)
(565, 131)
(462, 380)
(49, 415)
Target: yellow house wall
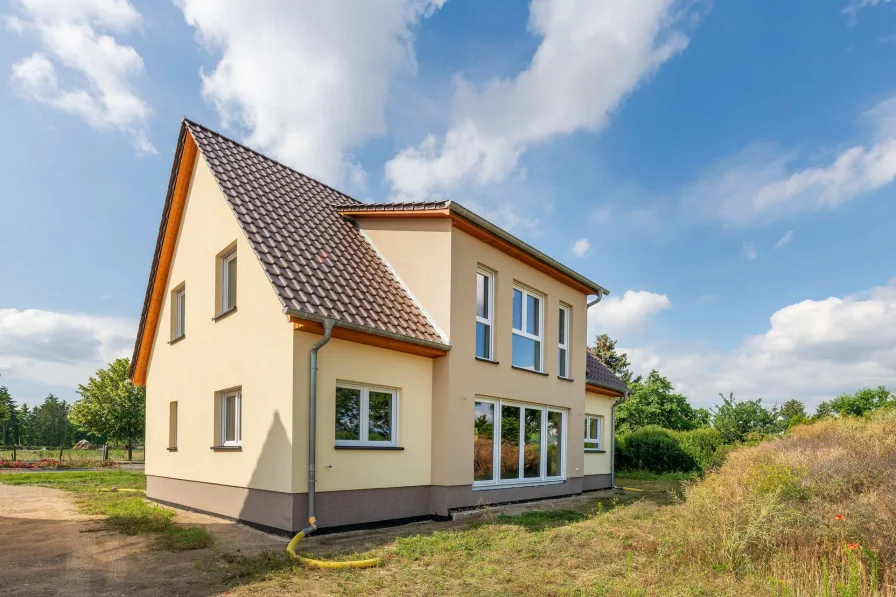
(453, 407)
(251, 348)
(419, 251)
(598, 404)
(342, 469)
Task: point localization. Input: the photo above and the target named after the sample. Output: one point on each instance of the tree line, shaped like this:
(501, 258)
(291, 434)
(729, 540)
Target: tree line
(110, 410)
(654, 402)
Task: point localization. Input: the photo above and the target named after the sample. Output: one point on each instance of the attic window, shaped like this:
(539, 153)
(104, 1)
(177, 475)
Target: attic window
(228, 282)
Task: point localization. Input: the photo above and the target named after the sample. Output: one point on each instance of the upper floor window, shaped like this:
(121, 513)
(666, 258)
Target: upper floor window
(594, 430)
(485, 284)
(365, 416)
(563, 342)
(178, 312)
(228, 281)
(231, 418)
(528, 328)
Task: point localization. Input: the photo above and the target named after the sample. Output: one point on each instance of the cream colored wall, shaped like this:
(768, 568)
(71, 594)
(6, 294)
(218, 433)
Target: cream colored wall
(598, 404)
(251, 347)
(366, 365)
(419, 250)
(454, 404)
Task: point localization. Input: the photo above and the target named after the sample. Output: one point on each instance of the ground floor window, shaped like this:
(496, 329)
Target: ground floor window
(365, 416)
(517, 443)
(594, 431)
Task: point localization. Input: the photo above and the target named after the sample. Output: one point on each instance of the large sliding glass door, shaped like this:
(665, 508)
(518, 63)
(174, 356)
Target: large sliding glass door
(517, 443)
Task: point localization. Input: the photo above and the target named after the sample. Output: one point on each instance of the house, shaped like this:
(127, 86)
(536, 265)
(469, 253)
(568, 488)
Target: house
(455, 371)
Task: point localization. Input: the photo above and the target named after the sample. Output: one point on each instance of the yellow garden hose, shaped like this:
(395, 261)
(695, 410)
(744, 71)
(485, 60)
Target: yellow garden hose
(121, 489)
(291, 551)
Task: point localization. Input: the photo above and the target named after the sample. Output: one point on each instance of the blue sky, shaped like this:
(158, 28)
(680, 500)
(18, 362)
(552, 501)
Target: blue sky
(725, 169)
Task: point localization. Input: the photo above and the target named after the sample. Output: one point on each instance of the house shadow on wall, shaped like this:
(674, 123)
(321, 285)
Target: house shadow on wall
(271, 509)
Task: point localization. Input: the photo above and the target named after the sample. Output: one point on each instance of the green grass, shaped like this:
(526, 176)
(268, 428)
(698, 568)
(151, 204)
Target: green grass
(82, 481)
(648, 476)
(126, 512)
(540, 520)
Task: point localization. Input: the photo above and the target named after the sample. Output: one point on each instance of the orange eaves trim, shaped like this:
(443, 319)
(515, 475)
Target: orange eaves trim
(605, 391)
(314, 327)
(162, 268)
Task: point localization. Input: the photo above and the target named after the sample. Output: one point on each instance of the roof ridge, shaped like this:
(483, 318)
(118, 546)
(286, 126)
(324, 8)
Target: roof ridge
(268, 158)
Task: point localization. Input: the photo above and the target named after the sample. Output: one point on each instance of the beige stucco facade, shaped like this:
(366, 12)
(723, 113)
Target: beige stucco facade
(256, 348)
(250, 348)
(598, 463)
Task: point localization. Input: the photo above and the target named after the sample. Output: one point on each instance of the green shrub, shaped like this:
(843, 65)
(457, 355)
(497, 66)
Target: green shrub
(704, 445)
(653, 449)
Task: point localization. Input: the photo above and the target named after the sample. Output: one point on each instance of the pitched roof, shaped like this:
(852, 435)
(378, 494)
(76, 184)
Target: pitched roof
(598, 374)
(318, 262)
(457, 211)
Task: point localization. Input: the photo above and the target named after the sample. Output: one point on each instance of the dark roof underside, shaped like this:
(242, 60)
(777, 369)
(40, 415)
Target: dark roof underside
(598, 374)
(317, 261)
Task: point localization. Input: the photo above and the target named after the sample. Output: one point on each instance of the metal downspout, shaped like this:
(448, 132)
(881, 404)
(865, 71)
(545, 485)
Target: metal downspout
(613, 432)
(312, 424)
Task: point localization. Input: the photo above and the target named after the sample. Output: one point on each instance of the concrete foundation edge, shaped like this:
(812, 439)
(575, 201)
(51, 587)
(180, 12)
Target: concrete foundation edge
(342, 510)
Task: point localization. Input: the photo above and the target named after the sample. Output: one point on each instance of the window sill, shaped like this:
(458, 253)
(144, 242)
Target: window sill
(224, 314)
(560, 377)
(595, 451)
(226, 448)
(489, 361)
(491, 486)
(369, 447)
(176, 340)
(542, 373)
(172, 449)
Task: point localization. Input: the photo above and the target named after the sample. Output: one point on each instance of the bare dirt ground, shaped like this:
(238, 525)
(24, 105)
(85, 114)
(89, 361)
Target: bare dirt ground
(49, 548)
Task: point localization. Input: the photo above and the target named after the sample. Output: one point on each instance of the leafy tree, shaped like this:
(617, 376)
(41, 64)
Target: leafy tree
(49, 423)
(654, 402)
(25, 417)
(862, 402)
(5, 413)
(735, 420)
(112, 406)
(823, 410)
(791, 413)
(605, 349)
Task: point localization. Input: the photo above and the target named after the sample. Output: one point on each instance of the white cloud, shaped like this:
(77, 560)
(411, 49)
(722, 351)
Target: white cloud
(581, 247)
(813, 350)
(78, 35)
(60, 349)
(749, 250)
(761, 183)
(615, 315)
(308, 79)
(784, 240)
(853, 7)
(592, 55)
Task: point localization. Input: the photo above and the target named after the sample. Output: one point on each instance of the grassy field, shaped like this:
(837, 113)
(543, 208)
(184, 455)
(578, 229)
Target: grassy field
(125, 511)
(71, 455)
(807, 515)
(812, 514)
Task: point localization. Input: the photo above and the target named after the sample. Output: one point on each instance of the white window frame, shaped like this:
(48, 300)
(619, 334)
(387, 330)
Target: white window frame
(365, 415)
(490, 305)
(564, 329)
(238, 428)
(180, 307)
(496, 480)
(594, 443)
(524, 312)
(228, 302)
